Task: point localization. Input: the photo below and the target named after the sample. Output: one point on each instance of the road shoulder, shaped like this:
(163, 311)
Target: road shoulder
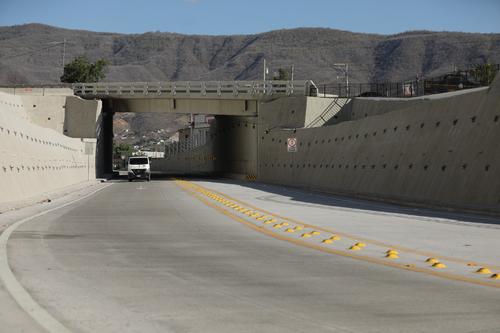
(13, 318)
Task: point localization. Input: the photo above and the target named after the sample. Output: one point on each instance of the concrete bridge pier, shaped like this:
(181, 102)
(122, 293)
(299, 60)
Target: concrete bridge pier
(104, 148)
(235, 146)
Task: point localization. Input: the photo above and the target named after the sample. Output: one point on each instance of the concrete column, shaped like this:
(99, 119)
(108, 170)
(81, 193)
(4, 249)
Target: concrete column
(235, 146)
(104, 153)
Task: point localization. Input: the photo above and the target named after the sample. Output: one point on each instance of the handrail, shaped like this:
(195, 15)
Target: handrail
(337, 103)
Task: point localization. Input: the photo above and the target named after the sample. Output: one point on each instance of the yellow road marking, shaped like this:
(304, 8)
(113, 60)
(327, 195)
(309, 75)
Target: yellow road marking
(322, 248)
(360, 238)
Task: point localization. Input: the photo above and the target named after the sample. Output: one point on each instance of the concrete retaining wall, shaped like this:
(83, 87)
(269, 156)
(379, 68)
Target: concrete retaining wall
(58, 109)
(46, 111)
(198, 161)
(439, 152)
(81, 117)
(35, 159)
(364, 107)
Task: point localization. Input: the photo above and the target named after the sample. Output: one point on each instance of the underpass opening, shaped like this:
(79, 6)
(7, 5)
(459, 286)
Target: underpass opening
(232, 149)
(178, 143)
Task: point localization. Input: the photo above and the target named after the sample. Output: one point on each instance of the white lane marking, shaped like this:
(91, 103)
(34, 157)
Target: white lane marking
(16, 290)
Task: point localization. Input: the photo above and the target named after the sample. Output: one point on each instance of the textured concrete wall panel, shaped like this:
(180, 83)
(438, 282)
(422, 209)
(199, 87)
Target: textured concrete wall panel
(439, 152)
(283, 112)
(34, 159)
(81, 117)
(198, 161)
(46, 111)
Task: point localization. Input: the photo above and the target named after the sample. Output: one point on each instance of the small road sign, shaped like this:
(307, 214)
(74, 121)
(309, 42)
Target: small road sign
(291, 145)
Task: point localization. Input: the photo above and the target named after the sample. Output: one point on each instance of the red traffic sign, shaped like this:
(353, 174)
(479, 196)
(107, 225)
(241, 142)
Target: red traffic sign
(291, 145)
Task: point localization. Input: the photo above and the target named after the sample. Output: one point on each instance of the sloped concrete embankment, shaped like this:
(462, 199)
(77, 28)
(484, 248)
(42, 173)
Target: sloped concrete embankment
(35, 159)
(435, 152)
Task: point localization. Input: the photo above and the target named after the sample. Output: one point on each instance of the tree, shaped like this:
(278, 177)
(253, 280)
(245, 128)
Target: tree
(283, 75)
(485, 73)
(123, 149)
(82, 70)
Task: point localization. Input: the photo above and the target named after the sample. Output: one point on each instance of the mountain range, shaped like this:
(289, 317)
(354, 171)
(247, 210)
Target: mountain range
(32, 54)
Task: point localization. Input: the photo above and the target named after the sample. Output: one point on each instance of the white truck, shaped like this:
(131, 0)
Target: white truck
(139, 167)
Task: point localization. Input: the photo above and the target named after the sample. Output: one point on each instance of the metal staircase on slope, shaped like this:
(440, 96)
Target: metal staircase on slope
(330, 111)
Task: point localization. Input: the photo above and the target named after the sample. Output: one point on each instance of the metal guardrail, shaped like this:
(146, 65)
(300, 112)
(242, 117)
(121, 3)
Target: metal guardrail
(389, 89)
(473, 77)
(195, 89)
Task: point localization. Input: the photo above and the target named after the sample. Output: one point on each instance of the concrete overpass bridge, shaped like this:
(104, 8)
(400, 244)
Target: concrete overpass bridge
(234, 103)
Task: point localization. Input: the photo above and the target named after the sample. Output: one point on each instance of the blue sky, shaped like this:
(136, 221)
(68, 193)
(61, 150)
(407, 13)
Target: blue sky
(223, 17)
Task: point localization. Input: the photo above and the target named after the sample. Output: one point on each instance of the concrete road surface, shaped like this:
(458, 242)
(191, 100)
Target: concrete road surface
(170, 256)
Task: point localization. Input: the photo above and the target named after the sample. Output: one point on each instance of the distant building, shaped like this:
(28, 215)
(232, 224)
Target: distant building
(153, 154)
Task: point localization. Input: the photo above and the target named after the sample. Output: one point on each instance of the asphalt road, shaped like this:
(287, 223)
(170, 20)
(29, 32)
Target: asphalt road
(151, 257)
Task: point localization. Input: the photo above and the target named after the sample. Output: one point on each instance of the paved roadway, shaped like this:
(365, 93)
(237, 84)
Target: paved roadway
(153, 257)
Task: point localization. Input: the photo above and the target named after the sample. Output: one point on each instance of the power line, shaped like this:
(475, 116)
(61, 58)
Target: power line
(33, 51)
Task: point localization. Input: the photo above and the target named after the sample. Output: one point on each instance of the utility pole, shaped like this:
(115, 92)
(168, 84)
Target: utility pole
(265, 70)
(64, 53)
(264, 76)
(293, 69)
(347, 77)
(191, 131)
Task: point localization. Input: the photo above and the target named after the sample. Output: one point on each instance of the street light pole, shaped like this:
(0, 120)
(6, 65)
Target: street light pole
(265, 70)
(264, 76)
(347, 75)
(63, 43)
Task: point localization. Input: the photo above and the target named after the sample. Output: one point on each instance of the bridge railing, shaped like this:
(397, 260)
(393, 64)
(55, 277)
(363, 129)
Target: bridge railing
(196, 89)
(386, 89)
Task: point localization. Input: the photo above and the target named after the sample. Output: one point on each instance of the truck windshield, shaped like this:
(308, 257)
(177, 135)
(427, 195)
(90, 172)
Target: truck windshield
(136, 161)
